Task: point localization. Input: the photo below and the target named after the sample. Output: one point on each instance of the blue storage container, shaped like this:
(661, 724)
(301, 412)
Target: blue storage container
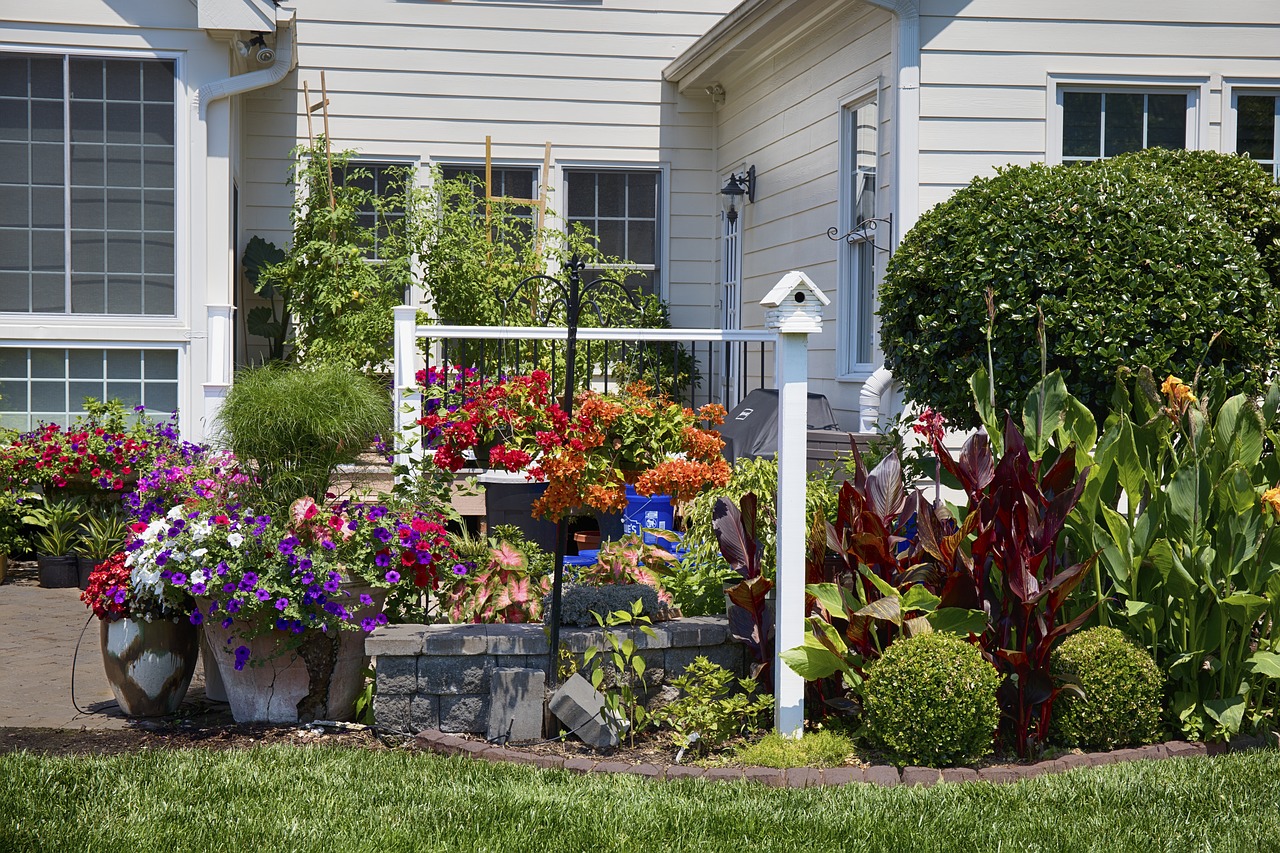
(655, 513)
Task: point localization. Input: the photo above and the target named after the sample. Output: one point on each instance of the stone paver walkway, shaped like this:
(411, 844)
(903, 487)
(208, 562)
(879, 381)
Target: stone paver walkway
(38, 633)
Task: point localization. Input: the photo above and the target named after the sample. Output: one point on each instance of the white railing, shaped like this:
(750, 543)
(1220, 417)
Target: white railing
(794, 311)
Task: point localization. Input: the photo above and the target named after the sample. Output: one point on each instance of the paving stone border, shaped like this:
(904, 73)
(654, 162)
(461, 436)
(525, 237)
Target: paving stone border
(883, 775)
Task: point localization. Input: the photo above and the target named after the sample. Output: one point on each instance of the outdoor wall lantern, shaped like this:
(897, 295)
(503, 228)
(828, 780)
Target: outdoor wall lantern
(737, 186)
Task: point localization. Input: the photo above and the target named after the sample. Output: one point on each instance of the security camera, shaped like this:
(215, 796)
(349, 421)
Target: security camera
(265, 55)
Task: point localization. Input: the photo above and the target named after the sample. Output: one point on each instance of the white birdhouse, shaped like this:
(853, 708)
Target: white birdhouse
(794, 305)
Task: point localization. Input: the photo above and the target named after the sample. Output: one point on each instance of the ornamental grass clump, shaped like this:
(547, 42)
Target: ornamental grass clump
(931, 700)
(1122, 688)
(294, 426)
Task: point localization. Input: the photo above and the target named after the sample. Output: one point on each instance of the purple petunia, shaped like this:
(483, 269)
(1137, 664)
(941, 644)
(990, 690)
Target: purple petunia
(382, 559)
(242, 656)
(365, 599)
(459, 569)
(262, 594)
(282, 603)
(197, 589)
(196, 617)
(382, 534)
(393, 576)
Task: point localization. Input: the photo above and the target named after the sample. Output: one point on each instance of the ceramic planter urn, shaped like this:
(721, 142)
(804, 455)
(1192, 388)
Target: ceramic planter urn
(316, 675)
(149, 664)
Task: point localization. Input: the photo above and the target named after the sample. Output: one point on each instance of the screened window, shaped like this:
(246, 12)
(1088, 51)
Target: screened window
(1104, 124)
(51, 384)
(1257, 118)
(508, 182)
(87, 188)
(382, 181)
(858, 192)
(622, 209)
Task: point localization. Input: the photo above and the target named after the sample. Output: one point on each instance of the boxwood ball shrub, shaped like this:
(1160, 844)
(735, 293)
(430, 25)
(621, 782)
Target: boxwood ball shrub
(1136, 260)
(1122, 687)
(931, 700)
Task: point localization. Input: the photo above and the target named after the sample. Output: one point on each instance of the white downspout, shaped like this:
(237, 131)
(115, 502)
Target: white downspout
(213, 263)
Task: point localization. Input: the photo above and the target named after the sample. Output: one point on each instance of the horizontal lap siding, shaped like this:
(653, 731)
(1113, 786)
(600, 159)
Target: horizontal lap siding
(985, 68)
(781, 115)
(431, 80)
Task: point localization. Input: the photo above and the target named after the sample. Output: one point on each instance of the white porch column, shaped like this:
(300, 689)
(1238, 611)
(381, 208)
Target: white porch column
(218, 349)
(794, 310)
(405, 397)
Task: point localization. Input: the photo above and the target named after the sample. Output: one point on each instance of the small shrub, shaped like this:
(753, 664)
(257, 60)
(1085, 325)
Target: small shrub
(819, 749)
(1122, 687)
(931, 700)
(706, 715)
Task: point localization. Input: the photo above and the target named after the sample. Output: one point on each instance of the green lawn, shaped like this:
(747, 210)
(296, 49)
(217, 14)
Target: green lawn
(282, 798)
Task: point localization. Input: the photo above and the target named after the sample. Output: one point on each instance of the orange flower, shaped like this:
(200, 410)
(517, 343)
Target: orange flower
(1271, 500)
(1177, 392)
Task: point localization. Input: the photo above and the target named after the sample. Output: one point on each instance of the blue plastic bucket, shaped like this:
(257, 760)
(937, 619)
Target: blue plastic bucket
(653, 513)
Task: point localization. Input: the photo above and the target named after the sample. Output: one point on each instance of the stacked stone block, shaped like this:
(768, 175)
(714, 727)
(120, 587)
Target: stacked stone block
(481, 678)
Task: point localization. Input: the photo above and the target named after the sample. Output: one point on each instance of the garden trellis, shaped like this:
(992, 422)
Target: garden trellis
(793, 311)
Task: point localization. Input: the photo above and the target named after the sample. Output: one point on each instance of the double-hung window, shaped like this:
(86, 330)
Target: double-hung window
(1104, 123)
(504, 182)
(622, 208)
(381, 180)
(859, 133)
(1257, 123)
(87, 185)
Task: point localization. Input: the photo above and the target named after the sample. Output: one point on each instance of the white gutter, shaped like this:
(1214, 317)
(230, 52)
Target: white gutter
(907, 119)
(286, 61)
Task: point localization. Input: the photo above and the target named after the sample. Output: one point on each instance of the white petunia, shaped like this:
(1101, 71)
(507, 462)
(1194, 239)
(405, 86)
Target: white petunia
(234, 539)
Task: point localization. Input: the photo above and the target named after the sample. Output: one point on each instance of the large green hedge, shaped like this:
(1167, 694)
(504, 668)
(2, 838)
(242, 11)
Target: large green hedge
(1136, 260)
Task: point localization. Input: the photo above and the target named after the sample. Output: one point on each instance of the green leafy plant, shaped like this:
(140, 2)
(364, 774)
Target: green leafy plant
(1137, 259)
(364, 706)
(931, 700)
(709, 711)
(1122, 689)
(341, 274)
(296, 425)
(1181, 508)
(12, 540)
(271, 322)
(103, 533)
(623, 698)
(57, 524)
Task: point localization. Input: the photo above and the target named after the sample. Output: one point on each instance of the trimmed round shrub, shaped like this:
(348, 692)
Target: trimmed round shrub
(1135, 261)
(1122, 687)
(931, 700)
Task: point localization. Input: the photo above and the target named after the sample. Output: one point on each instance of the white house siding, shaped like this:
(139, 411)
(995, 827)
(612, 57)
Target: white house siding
(138, 28)
(986, 69)
(427, 81)
(781, 114)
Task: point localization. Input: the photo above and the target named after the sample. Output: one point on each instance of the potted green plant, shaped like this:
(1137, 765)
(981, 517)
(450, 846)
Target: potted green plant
(57, 526)
(103, 533)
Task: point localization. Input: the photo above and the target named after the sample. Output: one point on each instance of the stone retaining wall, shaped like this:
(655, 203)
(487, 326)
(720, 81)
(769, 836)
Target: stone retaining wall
(479, 678)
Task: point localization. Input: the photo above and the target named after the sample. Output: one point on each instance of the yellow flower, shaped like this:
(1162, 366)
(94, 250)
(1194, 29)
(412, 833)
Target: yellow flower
(1177, 392)
(1271, 500)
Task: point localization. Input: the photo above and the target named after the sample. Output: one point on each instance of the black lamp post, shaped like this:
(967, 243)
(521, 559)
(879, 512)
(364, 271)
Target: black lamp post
(737, 186)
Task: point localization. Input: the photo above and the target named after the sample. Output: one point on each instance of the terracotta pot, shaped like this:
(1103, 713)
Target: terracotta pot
(315, 675)
(149, 664)
(57, 572)
(587, 539)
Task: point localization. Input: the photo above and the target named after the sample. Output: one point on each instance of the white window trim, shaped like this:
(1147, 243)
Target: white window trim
(847, 369)
(561, 168)
(186, 417)
(137, 325)
(1197, 88)
(1232, 88)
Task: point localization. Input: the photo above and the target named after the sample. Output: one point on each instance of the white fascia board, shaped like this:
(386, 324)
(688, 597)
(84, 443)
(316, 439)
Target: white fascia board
(233, 15)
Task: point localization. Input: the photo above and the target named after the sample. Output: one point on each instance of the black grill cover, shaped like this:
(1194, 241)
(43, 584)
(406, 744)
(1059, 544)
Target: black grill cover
(751, 429)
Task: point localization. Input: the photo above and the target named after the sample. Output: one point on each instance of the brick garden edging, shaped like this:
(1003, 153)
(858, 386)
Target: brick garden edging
(884, 775)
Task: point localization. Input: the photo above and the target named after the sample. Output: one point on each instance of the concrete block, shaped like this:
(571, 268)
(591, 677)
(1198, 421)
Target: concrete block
(424, 712)
(454, 674)
(580, 708)
(697, 631)
(397, 675)
(392, 713)
(395, 640)
(464, 713)
(728, 655)
(515, 704)
(455, 640)
(517, 640)
(520, 662)
(578, 640)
